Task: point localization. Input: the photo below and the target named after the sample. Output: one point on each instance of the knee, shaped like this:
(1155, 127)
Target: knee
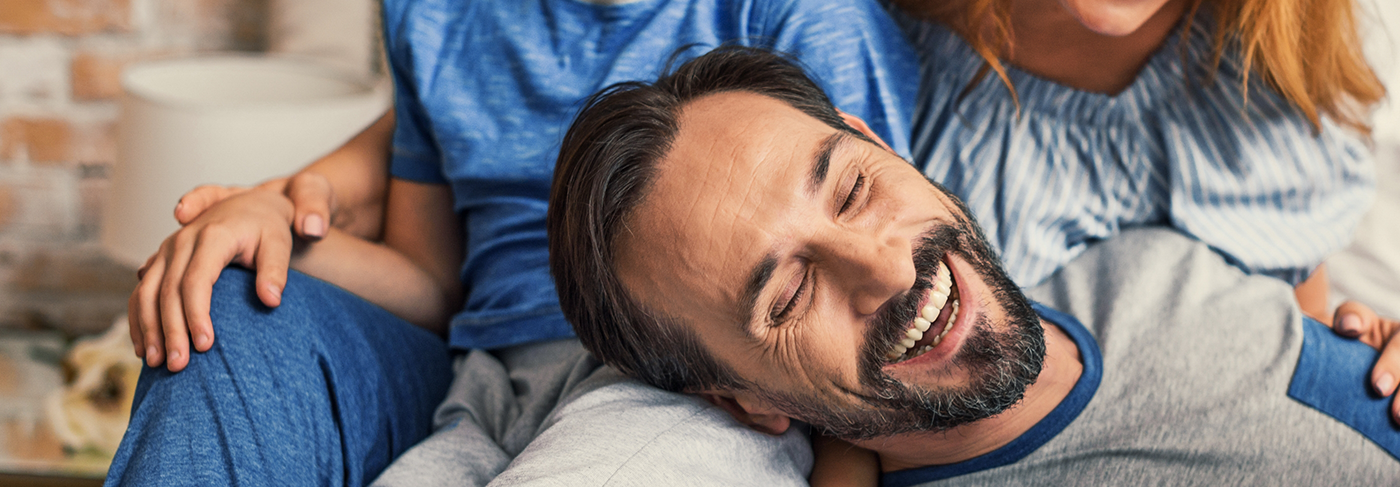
(234, 290)
(241, 319)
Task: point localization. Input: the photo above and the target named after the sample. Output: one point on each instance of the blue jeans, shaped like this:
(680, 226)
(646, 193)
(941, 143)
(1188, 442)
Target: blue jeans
(326, 389)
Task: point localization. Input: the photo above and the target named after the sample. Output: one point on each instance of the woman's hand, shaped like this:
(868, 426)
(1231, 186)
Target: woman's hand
(1356, 320)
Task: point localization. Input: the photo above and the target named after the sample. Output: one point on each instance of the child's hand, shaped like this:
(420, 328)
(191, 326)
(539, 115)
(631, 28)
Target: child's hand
(310, 192)
(1356, 320)
(842, 464)
(170, 306)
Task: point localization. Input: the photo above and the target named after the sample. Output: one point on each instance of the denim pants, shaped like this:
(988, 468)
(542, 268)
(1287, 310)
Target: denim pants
(326, 389)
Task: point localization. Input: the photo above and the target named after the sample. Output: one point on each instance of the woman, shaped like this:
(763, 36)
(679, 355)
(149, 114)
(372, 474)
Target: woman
(1236, 121)
(1059, 122)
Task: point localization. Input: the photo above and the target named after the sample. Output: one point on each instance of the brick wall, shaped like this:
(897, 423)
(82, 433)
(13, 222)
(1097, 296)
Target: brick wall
(60, 67)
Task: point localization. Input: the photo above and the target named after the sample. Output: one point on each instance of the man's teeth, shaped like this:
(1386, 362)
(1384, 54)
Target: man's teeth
(942, 287)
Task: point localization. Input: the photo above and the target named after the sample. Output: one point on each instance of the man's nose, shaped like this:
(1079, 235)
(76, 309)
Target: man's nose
(874, 267)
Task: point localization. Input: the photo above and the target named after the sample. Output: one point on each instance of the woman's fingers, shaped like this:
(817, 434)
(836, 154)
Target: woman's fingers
(1356, 320)
(1385, 373)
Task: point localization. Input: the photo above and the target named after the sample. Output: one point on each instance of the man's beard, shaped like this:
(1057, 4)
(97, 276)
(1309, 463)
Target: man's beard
(1000, 364)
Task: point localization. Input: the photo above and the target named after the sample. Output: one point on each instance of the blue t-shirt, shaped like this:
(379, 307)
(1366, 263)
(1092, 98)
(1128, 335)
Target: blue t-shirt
(1043, 431)
(1330, 376)
(485, 90)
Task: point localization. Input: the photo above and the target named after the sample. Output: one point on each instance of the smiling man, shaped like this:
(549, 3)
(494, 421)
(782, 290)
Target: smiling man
(796, 255)
(725, 231)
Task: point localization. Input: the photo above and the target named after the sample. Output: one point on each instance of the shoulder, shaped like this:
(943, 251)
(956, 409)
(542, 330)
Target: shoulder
(1222, 123)
(1222, 114)
(397, 12)
(640, 435)
(419, 23)
(834, 16)
(419, 19)
(1221, 90)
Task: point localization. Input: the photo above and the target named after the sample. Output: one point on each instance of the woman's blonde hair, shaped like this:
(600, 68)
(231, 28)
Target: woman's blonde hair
(1307, 50)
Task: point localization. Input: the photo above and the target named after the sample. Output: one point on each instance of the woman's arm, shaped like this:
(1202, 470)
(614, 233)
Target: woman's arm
(840, 464)
(1312, 296)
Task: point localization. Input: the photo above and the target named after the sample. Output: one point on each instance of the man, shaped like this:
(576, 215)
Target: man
(726, 232)
(484, 90)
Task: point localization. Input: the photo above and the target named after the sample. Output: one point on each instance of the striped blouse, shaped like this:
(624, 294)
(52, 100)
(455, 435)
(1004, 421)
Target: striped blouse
(1250, 179)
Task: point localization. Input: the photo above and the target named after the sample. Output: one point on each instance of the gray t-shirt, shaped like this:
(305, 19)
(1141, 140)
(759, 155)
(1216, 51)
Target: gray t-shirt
(1197, 364)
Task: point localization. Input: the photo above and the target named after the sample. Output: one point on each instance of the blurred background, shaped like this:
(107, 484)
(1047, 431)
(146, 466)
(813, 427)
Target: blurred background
(61, 67)
(1381, 27)
(61, 105)
(60, 82)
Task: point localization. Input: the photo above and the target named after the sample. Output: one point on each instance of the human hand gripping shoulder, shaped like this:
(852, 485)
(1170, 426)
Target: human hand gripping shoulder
(1356, 320)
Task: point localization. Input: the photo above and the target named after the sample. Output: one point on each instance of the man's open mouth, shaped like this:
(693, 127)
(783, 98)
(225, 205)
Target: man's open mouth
(933, 322)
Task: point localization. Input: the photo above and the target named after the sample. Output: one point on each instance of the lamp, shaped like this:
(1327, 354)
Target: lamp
(220, 120)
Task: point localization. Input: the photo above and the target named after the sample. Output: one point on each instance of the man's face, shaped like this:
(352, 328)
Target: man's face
(809, 259)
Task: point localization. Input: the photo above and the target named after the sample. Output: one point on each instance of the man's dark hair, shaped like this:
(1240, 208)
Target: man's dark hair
(606, 165)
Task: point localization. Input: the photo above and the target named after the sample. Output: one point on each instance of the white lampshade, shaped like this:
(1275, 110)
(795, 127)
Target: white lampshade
(220, 120)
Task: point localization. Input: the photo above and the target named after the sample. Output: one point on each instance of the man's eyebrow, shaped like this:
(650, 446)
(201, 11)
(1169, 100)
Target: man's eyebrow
(763, 272)
(758, 279)
(822, 162)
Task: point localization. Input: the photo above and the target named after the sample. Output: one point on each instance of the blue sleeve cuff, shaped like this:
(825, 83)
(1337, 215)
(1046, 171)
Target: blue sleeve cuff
(1333, 377)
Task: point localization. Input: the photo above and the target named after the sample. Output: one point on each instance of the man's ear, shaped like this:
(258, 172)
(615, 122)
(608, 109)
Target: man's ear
(750, 410)
(860, 126)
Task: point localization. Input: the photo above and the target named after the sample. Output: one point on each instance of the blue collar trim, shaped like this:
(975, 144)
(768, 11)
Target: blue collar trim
(1048, 427)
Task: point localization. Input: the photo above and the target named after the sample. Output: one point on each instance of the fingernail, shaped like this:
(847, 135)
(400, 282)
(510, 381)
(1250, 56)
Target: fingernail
(175, 355)
(1384, 383)
(314, 226)
(272, 289)
(151, 353)
(201, 340)
(1351, 324)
